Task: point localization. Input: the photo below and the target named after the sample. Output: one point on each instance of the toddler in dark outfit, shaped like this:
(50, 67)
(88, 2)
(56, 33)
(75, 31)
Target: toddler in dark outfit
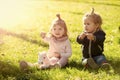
(93, 32)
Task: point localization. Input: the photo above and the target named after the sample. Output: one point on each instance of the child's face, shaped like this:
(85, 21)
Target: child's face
(58, 31)
(89, 25)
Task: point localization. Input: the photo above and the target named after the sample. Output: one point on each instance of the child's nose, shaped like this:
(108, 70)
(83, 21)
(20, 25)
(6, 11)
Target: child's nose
(56, 31)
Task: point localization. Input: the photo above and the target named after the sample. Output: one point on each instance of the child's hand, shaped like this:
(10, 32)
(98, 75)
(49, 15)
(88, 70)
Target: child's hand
(43, 34)
(50, 55)
(82, 35)
(90, 36)
(55, 54)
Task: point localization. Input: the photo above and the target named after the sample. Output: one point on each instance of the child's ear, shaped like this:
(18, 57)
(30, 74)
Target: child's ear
(97, 25)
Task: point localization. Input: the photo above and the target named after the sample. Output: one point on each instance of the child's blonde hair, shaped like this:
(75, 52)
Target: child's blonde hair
(59, 22)
(95, 17)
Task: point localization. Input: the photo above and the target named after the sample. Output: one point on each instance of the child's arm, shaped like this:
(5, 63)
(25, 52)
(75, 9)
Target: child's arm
(57, 55)
(43, 34)
(80, 38)
(97, 38)
(82, 35)
(44, 37)
(100, 37)
(90, 36)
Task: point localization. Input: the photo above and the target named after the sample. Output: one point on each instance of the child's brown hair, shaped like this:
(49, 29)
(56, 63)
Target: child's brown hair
(59, 22)
(95, 17)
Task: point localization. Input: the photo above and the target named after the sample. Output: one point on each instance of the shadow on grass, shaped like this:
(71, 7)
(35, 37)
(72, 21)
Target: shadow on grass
(77, 13)
(109, 4)
(102, 3)
(115, 63)
(80, 67)
(7, 68)
(75, 64)
(8, 71)
(23, 36)
(119, 41)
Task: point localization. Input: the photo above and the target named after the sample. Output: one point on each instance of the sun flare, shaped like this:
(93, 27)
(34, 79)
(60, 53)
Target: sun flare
(12, 12)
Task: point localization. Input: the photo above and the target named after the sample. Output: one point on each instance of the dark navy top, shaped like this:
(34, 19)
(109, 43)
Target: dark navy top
(97, 46)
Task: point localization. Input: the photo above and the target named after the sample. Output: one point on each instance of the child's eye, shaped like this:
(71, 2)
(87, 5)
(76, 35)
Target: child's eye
(60, 29)
(88, 24)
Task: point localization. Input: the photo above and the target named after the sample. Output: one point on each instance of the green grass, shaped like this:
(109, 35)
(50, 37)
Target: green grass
(22, 41)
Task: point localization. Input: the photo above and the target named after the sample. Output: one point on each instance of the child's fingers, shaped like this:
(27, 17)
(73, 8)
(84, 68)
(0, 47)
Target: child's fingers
(90, 36)
(42, 34)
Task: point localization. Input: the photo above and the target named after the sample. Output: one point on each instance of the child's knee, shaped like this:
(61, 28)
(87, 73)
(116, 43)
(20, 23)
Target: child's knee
(100, 60)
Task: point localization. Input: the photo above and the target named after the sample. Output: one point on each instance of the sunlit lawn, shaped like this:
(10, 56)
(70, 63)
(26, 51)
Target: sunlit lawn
(22, 21)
